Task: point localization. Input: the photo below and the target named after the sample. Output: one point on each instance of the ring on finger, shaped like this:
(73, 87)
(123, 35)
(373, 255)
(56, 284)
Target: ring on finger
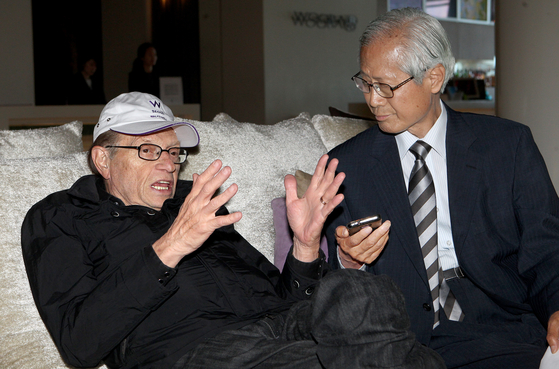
(322, 201)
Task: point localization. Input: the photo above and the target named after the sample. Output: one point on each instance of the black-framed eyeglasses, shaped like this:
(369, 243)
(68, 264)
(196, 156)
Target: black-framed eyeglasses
(153, 152)
(382, 89)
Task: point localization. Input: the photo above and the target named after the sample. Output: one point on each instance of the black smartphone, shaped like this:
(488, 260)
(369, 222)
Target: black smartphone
(355, 226)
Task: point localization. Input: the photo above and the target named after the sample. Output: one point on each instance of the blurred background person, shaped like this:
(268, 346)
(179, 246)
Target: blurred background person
(86, 88)
(144, 77)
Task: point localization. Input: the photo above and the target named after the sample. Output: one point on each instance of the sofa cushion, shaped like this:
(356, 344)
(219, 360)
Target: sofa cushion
(25, 340)
(260, 156)
(335, 130)
(41, 142)
(303, 182)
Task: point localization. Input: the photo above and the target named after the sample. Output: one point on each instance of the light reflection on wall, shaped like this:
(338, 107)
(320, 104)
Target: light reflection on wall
(441, 8)
(397, 4)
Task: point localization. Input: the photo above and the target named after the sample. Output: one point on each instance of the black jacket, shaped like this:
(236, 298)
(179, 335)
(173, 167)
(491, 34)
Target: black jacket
(105, 295)
(79, 92)
(139, 80)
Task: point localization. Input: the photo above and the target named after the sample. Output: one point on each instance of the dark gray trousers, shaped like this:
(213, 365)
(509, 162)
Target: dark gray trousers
(353, 320)
(490, 337)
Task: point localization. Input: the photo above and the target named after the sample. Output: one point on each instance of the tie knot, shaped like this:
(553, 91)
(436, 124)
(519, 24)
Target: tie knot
(420, 149)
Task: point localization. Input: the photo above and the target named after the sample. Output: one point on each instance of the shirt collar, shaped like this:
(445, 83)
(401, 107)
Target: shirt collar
(436, 137)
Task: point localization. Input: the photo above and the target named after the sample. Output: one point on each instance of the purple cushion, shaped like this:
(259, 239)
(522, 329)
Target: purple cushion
(284, 236)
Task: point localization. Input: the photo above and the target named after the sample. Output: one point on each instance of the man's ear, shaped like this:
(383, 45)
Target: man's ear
(436, 76)
(101, 159)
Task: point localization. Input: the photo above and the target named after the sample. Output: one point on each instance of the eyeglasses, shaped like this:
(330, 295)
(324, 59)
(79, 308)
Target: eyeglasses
(382, 89)
(152, 152)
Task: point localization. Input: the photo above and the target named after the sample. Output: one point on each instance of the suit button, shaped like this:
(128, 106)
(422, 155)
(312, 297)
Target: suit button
(426, 307)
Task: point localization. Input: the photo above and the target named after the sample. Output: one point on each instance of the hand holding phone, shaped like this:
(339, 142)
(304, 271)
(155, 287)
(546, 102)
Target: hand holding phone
(355, 226)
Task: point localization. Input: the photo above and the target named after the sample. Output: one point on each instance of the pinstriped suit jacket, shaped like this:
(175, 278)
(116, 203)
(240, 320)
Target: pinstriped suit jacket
(504, 214)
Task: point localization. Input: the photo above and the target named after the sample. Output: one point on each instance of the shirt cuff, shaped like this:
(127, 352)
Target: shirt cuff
(340, 260)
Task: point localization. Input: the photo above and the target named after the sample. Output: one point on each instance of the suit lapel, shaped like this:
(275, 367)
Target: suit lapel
(388, 184)
(464, 176)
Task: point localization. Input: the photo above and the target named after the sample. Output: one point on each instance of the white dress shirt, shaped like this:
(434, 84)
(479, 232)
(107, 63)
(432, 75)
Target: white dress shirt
(436, 162)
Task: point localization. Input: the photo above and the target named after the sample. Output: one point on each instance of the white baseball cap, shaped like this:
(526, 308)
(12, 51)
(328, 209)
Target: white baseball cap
(137, 113)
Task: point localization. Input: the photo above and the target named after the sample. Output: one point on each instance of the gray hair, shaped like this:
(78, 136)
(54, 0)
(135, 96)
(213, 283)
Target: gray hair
(424, 41)
(109, 138)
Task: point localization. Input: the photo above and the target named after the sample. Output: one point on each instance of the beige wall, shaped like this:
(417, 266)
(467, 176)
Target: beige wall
(232, 61)
(471, 41)
(309, 69)
(279, 69)
(211, 74)
(126, 25)
(17, 85)
(527, 50)
(242, 68)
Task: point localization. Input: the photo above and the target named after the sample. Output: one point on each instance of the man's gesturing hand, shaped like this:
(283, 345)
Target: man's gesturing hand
(307, 215)
(196, 220)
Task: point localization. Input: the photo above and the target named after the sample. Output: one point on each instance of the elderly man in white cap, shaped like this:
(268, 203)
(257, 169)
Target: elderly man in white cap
(137, 269)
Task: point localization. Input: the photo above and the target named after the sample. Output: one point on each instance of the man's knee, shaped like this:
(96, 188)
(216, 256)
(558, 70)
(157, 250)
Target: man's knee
(360, 320)
(349, 296)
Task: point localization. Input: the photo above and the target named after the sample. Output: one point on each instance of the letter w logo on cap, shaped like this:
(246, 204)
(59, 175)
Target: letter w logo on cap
(156, 103)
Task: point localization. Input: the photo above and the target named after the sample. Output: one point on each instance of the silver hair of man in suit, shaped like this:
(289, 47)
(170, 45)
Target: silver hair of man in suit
(425, 42)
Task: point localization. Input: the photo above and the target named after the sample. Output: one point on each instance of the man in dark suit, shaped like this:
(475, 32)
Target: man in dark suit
(471, 212)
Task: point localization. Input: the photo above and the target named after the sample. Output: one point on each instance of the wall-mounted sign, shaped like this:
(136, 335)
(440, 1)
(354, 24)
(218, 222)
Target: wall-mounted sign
(170, 90)
(310, 19)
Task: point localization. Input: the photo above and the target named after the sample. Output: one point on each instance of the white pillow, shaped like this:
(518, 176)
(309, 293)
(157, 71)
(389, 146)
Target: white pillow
(25, 340)
(41, 142)
(260, 156)
(335, 130)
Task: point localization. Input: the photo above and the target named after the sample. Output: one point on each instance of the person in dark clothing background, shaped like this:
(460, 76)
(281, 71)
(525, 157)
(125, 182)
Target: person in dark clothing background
(144, 76)
(138, 269)
(86, 87)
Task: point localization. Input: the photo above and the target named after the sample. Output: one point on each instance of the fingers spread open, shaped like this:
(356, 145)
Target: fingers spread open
(324, 185)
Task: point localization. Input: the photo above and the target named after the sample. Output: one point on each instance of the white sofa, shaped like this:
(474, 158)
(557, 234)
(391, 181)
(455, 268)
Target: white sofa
(35, 163)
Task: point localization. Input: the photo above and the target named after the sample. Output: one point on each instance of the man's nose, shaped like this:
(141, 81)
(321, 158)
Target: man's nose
(374, 99)
(167, 161)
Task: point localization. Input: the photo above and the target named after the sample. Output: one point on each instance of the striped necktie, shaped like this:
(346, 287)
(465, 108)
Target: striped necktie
(421, 193)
